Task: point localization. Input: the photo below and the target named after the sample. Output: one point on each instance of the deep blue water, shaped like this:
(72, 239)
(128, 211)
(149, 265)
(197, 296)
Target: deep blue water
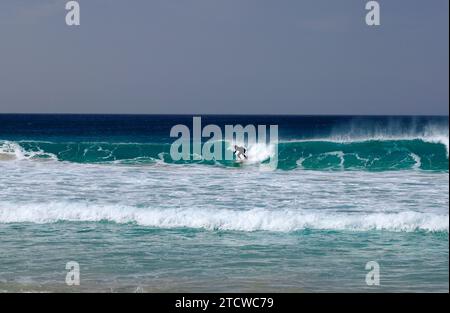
(156, 128)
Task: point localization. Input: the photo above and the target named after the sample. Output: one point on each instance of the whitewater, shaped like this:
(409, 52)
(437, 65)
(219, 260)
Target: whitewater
(170, 196)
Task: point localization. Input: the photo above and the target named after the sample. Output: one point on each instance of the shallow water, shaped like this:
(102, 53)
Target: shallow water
(115, 257)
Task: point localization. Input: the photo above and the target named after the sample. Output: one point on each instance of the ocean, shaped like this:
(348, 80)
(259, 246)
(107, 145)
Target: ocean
(104, 191)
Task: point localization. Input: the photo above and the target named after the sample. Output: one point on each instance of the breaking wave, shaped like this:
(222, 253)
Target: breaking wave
(224, 219)
(373, 154)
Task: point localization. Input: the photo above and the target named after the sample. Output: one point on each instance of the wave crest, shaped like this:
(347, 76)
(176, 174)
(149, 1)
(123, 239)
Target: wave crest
(224, 219)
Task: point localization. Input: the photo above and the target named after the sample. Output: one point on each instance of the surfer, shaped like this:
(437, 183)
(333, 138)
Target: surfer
(240, 151)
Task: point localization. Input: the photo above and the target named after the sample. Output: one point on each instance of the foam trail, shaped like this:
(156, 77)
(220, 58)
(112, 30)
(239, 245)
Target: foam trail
(224, 219)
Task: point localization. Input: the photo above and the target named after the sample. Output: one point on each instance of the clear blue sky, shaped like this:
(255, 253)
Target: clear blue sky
(225, 56)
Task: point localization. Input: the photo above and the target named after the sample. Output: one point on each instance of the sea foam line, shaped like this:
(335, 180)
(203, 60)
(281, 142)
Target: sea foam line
(224, 219)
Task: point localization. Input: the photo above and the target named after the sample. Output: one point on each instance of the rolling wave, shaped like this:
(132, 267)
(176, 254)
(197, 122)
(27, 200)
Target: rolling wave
(374, 154)
(224, 219)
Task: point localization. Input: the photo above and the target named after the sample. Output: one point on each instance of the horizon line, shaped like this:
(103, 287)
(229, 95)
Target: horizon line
(226, 114)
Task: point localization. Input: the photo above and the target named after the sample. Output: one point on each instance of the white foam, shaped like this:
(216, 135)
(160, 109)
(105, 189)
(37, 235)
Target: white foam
(260, 152)
(10, 150)
(224, 219)
(256, 152)
(417, 160)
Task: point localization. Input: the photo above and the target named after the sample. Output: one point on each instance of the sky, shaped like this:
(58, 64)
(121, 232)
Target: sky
(225, 57)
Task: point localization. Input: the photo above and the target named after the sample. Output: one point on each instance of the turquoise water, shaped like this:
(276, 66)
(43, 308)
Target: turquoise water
(102, 191)
(130, 258)
(368, 154)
